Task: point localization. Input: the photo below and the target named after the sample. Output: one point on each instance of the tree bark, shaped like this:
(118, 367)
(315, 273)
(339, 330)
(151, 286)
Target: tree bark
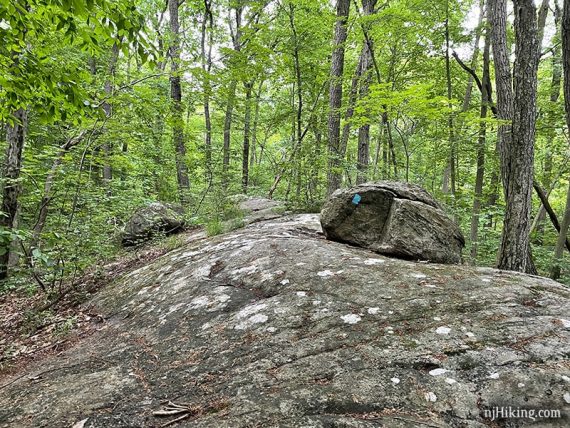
(228, 129)
(475, 57)
(335, 95)
(177, 107)
(555, 271)
(353, 94)
(108, 109)
(206, 60)
(246, 137)
(553, 218)
(516, 141)
(48, 194)
(236, 41)
(364, 131)
(255, 126)
(481, 142)
(555, 84)
(541, 22)
(561, 241)
(15, 137)
(450, 170)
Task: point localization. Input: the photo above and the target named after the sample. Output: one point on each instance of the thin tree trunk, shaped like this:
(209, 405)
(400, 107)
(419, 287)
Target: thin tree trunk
(541, 22)
(299, 94)
(108, 109)
(475, 57)
(206, 59)
(351, 103)
(177, 106)
(450, 170)
(48, 195)
(364, 131)
(314, 181)
(517, 140)
(228, 128)
(335, 95)
(236, 40)
(246, 138)
(555, 271)
(392, 150)
(15, 137)
(255, 126)
(555, 84)
(485, 101)
(561, 241)
(553, 218)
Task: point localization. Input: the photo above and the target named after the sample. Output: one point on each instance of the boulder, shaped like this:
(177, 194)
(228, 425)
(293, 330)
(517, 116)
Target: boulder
(393, 218)
(274, 326)
(259, 209)
(151, 219)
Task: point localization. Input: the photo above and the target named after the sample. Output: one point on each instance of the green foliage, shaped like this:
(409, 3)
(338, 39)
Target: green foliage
(55, 61)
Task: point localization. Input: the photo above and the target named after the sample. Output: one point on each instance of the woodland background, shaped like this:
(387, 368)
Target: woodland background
(109, 105)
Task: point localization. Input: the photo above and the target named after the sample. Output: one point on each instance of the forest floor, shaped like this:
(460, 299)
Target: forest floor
(35, 325)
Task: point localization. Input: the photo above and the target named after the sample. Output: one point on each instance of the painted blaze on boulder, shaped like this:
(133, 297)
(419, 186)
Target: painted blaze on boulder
(393, 218)
(150, 219)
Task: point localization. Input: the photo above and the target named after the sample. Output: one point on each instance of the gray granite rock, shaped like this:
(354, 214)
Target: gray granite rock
(274, 326)
(393, 218)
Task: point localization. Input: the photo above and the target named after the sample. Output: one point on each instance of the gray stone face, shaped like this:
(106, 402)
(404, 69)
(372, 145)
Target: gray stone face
(274, 326)
(393, 218)
(150, 219)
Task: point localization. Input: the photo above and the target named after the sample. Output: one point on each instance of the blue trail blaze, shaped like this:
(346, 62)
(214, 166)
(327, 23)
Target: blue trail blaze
(356, 200)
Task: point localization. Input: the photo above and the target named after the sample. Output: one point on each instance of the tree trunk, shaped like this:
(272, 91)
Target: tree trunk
(177, 107)
(364, 130)
(48, 194)
(541, 22)
(108, 109)
(555, 84)
(15, 137)
(516, 142)
(562, 238)
(391, 149)
(335, 95)
(553, 218)
(450, 129)
(246, 137)
(206, 59)
(485, 101)
(228, 129)
(297, 129)
(350, 108)
(475, 57)
(236, 41)
(255, 126)
(555, 271)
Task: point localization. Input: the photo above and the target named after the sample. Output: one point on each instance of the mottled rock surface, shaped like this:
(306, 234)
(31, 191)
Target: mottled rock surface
(273, 325)
(150, 219)
(393, 218)
(258, 209)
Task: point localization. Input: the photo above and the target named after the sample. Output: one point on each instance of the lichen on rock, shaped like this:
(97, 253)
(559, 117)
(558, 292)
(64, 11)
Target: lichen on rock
(259, 338)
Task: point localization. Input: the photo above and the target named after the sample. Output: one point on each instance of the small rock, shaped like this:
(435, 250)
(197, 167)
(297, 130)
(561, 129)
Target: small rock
(443, 330)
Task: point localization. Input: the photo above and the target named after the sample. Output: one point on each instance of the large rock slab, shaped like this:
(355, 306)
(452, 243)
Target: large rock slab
(256, 209)
(393, 218)
(151, 219)
(274, 326)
